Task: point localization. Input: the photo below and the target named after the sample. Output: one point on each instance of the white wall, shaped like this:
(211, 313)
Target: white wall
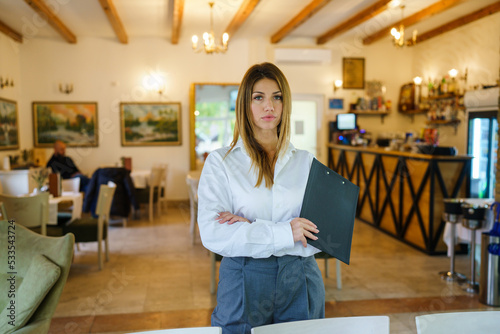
(108, 72)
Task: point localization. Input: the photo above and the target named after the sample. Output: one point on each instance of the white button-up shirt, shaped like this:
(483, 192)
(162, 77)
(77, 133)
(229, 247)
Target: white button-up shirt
(228, 184)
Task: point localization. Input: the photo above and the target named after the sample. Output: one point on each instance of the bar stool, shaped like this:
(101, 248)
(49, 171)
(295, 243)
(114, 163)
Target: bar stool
(474, 218)
(453, 215)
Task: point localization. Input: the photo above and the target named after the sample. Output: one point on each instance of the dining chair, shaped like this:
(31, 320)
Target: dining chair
(192, 330)
(344, 325)
(90, 229)
(192, 184)
(163, 188)
(124, 198)
(326, 257)
(482, 322)
(71, 185)
(154, 187)
(31, 211)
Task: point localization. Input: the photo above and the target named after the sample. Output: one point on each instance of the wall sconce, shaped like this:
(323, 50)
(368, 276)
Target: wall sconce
(458, 82)
(6, 83)
(337, 85)
(154, 81)
(66, 89)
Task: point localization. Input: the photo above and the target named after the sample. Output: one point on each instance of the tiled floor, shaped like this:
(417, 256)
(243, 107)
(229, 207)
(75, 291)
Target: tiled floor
(157, 279)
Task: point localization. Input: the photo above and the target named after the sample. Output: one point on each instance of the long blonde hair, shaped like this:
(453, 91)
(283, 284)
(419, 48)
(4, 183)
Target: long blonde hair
(244, 126)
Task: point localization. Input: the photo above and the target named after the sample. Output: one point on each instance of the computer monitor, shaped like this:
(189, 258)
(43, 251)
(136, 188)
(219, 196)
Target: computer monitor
(346, 122)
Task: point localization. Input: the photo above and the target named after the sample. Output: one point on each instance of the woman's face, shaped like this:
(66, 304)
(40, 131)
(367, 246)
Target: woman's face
(267, 105)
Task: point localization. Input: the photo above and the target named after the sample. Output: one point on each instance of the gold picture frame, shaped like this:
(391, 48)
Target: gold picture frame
(75, 123)
(353, 73)
(9, 125)
(150, 123)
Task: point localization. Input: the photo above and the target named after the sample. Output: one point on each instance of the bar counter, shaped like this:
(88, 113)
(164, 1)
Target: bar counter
(402, 193)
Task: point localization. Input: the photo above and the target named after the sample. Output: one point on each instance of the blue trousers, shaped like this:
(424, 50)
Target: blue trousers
(256, 292)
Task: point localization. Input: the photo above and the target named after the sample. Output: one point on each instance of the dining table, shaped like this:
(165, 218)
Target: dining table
(76, 198)
(140, 177)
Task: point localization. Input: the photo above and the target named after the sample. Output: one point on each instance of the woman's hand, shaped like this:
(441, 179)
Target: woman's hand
(303, 228)
(229, 218)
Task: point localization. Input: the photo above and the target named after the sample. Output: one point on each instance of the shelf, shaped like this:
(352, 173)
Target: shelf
(443, 97)
(444, 121)
(369, 112)
(453, 122)
(413, 112)
(382, 114)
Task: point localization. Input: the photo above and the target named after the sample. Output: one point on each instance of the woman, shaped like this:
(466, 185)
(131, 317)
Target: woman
(249, 199)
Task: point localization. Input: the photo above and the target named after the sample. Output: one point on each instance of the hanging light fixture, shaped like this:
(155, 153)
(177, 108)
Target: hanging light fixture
(209, 44)
(399, 35)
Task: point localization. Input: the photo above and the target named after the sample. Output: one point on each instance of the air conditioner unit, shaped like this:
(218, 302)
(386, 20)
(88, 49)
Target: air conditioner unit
(302, 55)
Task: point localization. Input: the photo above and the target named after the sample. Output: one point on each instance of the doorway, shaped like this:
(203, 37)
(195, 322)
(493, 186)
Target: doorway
(306, 122)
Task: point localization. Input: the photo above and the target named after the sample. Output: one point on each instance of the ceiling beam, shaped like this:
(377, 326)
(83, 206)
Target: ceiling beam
(45, 12)
(113, 17)
(11, 32)
(241, 15)
(177, 20)
(479, 14)
(434, 9)
(366, 14)
(304, 15)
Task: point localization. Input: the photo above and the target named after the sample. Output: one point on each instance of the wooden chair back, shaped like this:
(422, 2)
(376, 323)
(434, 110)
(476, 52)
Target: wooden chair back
(30, 211)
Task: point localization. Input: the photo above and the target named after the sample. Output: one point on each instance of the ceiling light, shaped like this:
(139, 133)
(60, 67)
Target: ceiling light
(399, 35)
(209, 44)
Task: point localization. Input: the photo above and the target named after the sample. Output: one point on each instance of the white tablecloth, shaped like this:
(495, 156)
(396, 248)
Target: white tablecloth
(140, 178)
(76, 198)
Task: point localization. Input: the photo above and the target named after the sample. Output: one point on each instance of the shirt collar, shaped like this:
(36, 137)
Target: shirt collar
(284, 157)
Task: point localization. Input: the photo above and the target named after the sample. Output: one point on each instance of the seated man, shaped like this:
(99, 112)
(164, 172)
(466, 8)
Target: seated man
(65, 166)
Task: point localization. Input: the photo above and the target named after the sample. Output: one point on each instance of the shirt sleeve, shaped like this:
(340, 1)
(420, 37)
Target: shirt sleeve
(260, 239)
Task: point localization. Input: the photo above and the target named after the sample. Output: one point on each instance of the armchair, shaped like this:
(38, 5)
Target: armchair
(42, 267)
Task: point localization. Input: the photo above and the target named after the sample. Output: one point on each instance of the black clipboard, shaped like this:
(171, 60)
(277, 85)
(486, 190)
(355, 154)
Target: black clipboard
(330, 202)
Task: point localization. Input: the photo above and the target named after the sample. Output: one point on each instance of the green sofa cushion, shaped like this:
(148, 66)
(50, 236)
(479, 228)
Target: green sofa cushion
(37, 282)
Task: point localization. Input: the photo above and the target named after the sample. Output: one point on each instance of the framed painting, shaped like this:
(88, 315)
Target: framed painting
(353, 70)
(407, 98)
(9, 125)
(150, 123)
(75, 123)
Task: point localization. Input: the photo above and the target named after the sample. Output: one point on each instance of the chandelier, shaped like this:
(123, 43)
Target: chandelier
(209, 44)
(399, 35)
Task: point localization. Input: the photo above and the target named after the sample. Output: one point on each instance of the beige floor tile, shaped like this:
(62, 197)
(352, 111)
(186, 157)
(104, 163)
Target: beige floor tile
(156, 278)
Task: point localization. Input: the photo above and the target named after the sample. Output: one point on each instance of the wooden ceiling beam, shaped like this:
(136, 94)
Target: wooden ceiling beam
(433, 9)
(461, 21)
(113, 17)
(11, 32)
(246, 8)
(304, 15)
(45, 12)
(366, 14)
(177, 20)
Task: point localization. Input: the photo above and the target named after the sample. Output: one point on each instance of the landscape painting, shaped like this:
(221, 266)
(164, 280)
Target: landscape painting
(9, 125)
(150, 123)
(75, 123)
